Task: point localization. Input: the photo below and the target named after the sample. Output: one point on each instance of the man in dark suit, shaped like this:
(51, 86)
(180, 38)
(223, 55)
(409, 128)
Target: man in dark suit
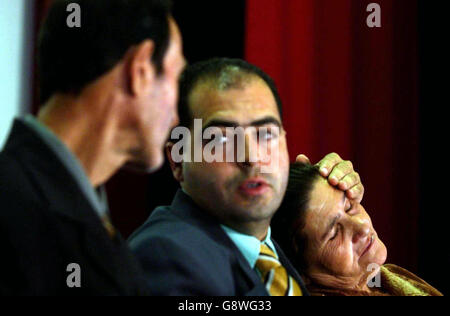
(215, 237)
(108, 93)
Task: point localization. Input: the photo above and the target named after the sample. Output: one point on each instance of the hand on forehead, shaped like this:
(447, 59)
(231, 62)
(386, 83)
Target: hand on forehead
(340, 173)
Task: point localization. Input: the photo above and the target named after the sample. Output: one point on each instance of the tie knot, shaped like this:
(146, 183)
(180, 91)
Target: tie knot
(267, 260)
(267, 251)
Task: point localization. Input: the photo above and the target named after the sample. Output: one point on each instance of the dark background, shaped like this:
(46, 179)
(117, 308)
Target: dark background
(434, 241)
(390, 80)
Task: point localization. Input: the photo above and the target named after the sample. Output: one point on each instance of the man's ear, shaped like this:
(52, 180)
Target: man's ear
(177, 167)
(141, 71)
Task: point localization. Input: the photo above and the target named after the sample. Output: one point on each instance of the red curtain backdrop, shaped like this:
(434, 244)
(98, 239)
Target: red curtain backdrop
(350, 89)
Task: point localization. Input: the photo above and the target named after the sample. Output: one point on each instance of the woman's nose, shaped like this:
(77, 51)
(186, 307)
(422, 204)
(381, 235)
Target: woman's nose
(361, 228)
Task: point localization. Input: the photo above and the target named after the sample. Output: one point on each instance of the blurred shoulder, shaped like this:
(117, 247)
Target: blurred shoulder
(164, 225)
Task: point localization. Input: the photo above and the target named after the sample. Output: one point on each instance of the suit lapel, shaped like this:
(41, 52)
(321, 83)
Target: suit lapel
(184, 207)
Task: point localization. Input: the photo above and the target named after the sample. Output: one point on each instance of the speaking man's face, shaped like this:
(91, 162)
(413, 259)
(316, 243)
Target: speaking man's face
(248, 188)
(157, 113)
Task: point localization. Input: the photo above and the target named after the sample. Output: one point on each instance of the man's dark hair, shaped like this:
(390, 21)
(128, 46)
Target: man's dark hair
(223, 73)
(71, 57)
(290, 217)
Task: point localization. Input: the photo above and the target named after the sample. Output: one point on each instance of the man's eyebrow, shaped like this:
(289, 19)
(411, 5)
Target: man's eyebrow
(330, 226)
(228, 123)
(220, 123)
(265, 121)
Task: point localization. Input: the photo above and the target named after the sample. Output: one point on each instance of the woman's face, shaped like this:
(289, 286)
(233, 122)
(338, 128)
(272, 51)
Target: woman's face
(341, 241)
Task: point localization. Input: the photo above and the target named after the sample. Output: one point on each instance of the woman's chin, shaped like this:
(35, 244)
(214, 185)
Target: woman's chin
(383, 252)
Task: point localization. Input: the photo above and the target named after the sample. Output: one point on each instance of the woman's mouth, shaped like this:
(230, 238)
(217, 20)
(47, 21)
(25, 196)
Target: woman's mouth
(370, 242)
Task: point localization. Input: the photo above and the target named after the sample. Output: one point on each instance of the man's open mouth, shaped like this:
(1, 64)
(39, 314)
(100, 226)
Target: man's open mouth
(254, 186)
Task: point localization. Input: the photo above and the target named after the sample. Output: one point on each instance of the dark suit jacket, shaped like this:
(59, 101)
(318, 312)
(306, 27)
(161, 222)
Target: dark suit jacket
(184, 251)
(46, 223)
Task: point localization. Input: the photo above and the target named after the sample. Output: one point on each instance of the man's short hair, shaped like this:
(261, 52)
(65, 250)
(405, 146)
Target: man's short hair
(71, 57)
(223, 74)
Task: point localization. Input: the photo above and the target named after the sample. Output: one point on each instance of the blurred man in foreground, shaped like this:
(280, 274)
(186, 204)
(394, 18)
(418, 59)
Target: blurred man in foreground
(108, 93)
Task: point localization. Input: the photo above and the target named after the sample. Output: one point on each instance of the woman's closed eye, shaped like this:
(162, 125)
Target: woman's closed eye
(336, 232)
(332, 229)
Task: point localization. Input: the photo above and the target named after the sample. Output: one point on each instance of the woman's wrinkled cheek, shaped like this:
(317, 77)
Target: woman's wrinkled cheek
(329, 257)
(338, 258)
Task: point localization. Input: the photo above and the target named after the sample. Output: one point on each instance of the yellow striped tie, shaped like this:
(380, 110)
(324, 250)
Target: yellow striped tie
(274, 275)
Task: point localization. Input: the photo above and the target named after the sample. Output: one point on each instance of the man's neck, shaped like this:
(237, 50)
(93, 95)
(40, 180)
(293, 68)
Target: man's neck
(256, 229)
(89, 137)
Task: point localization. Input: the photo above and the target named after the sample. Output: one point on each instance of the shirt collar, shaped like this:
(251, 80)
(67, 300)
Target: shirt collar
(249, 245)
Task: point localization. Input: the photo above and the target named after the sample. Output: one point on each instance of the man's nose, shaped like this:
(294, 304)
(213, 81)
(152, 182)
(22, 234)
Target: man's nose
(248, 154)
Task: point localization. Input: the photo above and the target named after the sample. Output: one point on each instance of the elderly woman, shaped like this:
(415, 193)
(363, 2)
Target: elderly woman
(333, 242)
